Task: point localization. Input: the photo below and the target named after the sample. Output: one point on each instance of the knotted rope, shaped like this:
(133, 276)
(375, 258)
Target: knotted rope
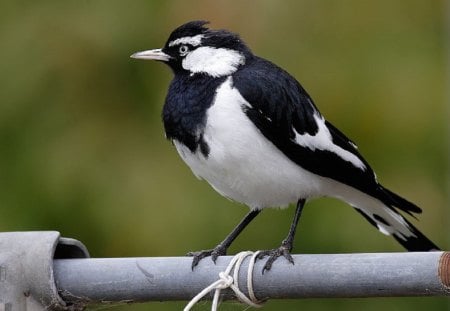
(227, 281)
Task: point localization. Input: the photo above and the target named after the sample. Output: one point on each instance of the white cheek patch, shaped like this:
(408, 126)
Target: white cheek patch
(322, 141)
(216, 62)
(194, 41)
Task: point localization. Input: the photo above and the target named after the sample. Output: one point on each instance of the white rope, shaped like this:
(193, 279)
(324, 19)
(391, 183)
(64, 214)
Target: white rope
(227, 281)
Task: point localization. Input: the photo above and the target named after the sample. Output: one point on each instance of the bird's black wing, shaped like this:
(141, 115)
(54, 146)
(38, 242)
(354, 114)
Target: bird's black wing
(285, 114)
(282, 110)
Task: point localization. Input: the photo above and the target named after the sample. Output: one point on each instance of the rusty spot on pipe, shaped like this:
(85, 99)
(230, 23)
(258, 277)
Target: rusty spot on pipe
(444, 269)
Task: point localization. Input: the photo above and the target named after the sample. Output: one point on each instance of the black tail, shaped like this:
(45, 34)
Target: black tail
(383, 214)
(418, 242)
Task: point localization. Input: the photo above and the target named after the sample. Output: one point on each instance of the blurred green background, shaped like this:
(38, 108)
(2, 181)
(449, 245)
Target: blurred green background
(83, 149)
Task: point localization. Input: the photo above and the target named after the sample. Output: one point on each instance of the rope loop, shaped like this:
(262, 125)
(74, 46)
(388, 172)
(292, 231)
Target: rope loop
(231, 281)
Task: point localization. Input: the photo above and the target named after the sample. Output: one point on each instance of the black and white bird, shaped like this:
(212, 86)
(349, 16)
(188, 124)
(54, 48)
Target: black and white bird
(253, 133)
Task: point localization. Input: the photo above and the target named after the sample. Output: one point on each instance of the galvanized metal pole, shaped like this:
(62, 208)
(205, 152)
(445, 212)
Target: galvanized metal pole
(26, 269)
(333, 275)
(43, 271)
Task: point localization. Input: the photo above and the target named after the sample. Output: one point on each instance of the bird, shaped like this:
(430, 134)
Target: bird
(248, 128)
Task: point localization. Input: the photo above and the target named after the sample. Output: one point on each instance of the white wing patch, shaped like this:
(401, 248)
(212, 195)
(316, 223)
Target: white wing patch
(322, 141)
(215, 62)
(194, 41)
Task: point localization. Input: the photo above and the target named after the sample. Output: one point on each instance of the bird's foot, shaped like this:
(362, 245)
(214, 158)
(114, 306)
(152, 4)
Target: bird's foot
(283, 250)
(219, 250)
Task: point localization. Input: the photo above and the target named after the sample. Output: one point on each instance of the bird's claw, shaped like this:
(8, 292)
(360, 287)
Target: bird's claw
(273, 255)
(213, 253)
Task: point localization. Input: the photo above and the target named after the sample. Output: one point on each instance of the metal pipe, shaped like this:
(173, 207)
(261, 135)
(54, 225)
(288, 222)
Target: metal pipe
(332, 275)
(26, 269)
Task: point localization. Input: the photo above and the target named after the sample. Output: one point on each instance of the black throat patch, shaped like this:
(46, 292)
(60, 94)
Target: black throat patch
(184, 113)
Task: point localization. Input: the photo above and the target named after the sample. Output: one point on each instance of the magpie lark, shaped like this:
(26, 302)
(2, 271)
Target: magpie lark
(254, 134)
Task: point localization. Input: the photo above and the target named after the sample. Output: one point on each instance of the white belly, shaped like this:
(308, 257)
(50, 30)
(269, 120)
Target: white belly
(242, 164)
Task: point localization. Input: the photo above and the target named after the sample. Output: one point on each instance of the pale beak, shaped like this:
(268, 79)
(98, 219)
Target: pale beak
(156, 54)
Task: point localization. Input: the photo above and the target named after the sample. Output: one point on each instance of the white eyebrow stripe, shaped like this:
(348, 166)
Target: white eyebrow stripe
(194, 41)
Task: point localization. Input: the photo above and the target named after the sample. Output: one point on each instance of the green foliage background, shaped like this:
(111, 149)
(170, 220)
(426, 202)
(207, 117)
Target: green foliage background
(83, 149)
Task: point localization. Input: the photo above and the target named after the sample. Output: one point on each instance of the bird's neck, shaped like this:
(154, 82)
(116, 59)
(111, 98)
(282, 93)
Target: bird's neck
(184, 112)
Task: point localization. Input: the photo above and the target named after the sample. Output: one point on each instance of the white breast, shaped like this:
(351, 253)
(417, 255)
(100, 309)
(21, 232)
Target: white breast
(242, 164)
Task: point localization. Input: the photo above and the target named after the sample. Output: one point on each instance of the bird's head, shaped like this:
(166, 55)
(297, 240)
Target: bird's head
(193, 48)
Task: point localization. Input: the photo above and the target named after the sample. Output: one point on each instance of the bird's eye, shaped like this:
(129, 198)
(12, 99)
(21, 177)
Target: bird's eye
(184, 49)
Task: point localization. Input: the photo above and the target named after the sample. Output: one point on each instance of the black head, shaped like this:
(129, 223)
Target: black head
(193, 48)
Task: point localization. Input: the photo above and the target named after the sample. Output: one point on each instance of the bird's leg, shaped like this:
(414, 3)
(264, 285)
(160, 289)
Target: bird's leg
(221, 248)
(286, 244)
